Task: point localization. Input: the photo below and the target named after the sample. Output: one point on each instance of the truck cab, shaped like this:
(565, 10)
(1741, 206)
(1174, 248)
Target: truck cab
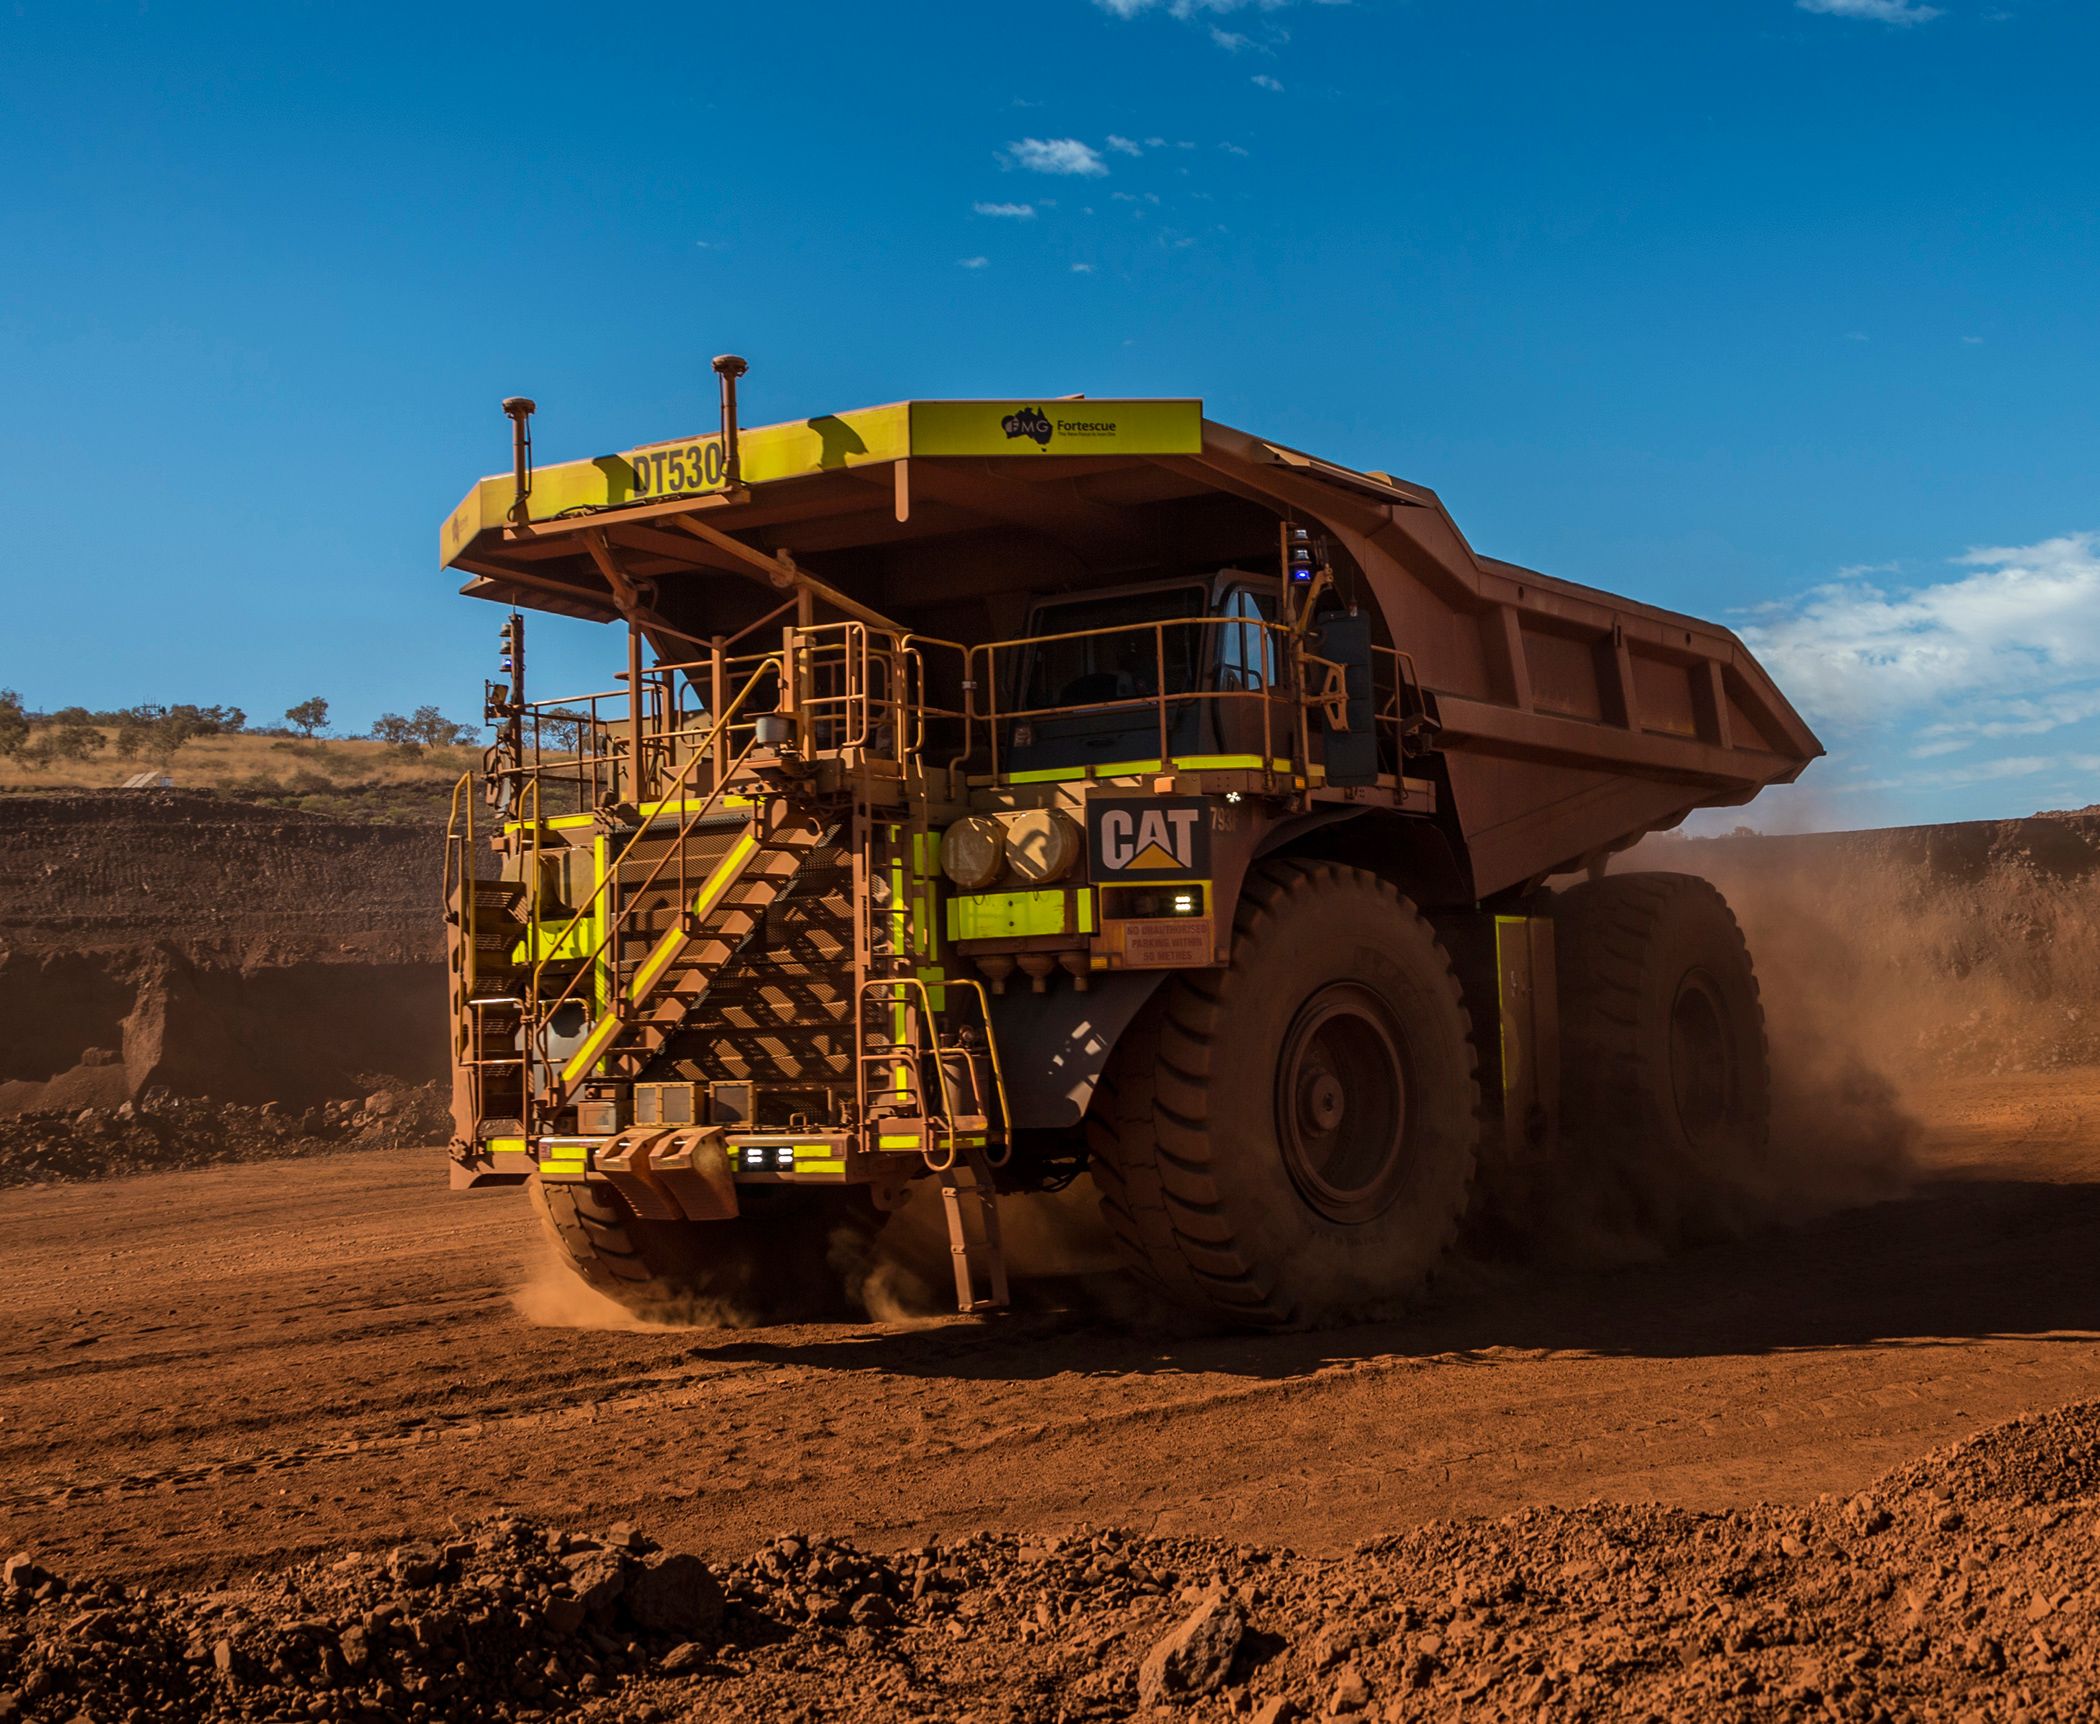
(1197, 670)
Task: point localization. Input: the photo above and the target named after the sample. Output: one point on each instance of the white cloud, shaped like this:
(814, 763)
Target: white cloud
(1995, 720)
(974, 262)
(1186, 8)
(1267, 82)
(2010, 648)
(1155, 143)
(1082, 269)
(1125, 146)
(1232, 149)
(1232, 41)
(1880, 11)
(1013, 212)
(1056, 156)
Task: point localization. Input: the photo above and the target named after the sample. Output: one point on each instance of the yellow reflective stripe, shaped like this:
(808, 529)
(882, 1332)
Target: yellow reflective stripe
(900, 947)
(601, 891)
(505, 1146)
(1132, 768)
(1059, 774)
(897, 1142)
(819, 1164)
(675, 939)
(593, 1045)
(651, 810)
(558, 823)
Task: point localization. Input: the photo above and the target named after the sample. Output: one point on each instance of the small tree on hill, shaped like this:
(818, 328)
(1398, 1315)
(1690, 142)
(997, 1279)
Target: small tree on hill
(64, 741)
(427, 728)
(14, 725)
(308, 716)
(434, 730)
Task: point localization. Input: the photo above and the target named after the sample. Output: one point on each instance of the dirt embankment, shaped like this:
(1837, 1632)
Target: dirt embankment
(1972, 1573)
(184, 977)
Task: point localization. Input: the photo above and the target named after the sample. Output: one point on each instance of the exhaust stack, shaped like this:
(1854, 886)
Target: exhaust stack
(729, 368)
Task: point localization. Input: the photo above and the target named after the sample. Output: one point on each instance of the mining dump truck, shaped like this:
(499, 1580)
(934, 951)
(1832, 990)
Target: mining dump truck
(1000, 792)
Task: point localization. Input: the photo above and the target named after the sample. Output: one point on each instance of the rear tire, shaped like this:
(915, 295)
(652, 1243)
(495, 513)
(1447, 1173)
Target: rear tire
(1662, 1030)
(1290, 1140)
(791, 1255)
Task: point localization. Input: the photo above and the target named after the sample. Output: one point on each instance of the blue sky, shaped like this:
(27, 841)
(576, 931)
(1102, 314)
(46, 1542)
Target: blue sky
(1778, 312)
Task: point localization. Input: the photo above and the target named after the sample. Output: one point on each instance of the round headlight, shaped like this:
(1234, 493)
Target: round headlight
(1042, 845)
(973, 851)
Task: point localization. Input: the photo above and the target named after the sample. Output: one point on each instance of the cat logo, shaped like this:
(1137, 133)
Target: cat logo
(1158, 838)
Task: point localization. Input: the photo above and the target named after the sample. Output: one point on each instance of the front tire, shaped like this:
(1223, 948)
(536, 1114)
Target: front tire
(1290, 1141)
(789, 1256)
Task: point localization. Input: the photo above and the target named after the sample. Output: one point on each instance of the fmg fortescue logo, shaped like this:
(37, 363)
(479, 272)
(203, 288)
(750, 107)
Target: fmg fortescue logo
(1029, 422)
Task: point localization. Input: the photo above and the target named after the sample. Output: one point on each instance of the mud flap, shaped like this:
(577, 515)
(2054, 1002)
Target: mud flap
(692, 1164)
(625, 1164)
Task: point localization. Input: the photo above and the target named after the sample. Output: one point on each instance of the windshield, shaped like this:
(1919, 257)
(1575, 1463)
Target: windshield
(1121, 665)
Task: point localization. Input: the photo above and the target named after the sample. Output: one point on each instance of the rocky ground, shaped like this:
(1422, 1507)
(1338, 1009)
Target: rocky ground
(163, 1130)
(1959, 1587)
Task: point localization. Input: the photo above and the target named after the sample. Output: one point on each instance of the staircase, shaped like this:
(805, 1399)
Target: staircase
(485, 920)
(659, 990)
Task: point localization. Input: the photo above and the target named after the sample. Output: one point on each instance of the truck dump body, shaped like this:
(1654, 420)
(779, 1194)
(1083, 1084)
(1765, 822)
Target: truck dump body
(971, 753)
(1568, 722)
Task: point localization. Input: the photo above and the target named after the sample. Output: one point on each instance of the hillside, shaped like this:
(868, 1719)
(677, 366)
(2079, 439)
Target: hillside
(351, 777)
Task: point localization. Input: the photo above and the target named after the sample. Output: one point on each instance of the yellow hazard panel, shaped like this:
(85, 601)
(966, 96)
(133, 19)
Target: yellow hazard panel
(693, 466)
(688, 466)
(1050, 427)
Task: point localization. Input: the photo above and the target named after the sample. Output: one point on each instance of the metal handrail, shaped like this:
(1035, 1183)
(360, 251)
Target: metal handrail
(877, 1056)
(1158, 702)
(616, 923)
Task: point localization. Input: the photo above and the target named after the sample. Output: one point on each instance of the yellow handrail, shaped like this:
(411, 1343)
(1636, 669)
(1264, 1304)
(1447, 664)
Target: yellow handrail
(539, 1014)
(675, 787)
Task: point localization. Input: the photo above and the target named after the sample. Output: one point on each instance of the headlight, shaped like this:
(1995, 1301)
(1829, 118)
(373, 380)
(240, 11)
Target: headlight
(973, 851)
(1042, 845)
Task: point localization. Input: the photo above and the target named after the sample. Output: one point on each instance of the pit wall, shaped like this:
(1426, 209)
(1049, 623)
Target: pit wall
(187, 977)
(97, 1029)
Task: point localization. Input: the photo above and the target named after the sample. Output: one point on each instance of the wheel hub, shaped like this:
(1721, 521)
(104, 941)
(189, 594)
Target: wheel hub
(1320, 1101)
(1341, 1103)
(1703, 1078)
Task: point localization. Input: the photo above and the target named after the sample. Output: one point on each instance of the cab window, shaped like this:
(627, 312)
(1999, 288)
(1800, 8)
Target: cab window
(1122, 664)
(1242, 663)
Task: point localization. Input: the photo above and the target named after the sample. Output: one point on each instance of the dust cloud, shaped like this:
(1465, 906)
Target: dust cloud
(554, 1296)
(1845, 1049)
(1053, 1236)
